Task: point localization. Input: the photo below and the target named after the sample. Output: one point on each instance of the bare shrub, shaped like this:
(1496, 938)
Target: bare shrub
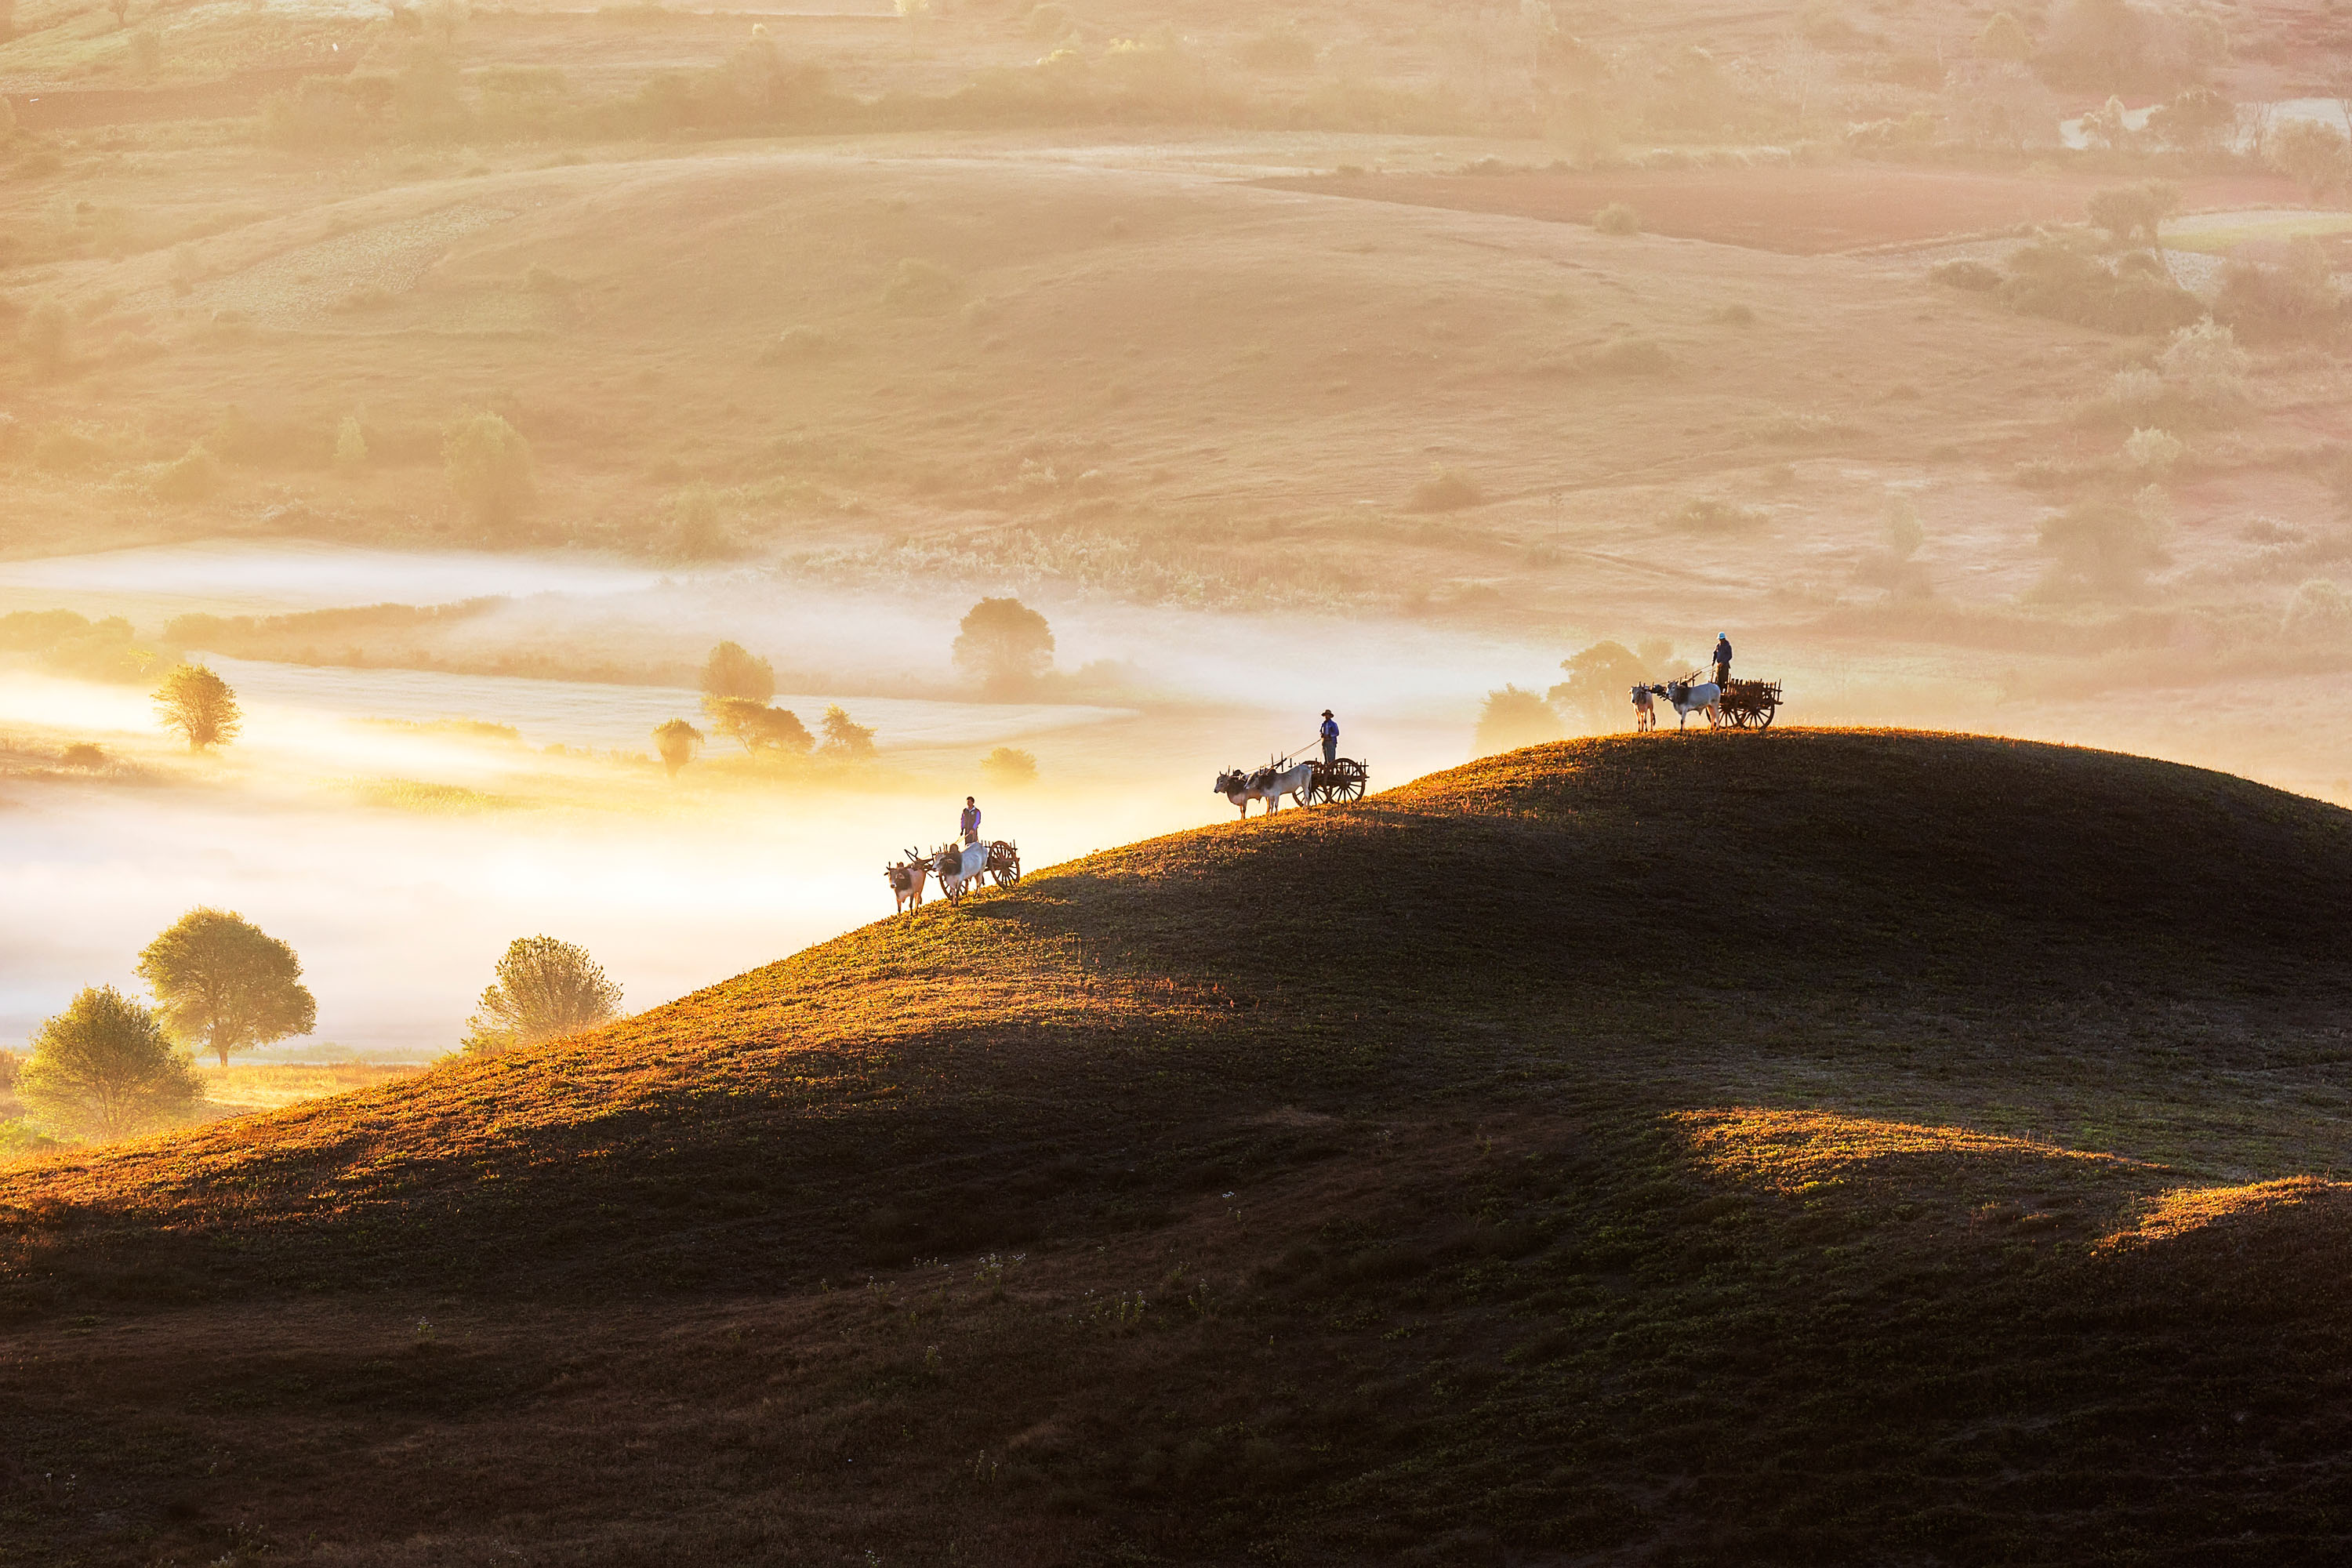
(1444, 490)
(2005, 38)
(1617, 218)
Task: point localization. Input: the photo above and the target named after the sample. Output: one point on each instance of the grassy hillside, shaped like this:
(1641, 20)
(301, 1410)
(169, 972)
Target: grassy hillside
(1798, 1147)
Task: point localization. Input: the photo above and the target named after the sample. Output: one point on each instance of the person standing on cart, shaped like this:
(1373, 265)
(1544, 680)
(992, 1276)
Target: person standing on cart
(1330, 733)
(969, 826)
(1722, 660)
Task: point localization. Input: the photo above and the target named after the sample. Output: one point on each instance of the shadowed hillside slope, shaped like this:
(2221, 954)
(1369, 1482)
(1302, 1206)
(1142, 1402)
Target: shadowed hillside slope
(1799, 1147)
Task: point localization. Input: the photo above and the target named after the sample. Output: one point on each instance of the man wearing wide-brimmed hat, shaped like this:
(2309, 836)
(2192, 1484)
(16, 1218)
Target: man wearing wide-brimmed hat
(1330, 733)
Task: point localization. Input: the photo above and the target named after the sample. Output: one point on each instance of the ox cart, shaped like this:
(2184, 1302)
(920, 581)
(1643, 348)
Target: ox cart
(1749, 704)
(1336, 782)
(964, 867)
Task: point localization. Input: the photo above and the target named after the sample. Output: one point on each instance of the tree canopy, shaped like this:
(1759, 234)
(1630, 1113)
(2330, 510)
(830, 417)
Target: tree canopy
(104, 1068)
(225, 984)
(489, 466)
(1513, 718)
(731, 672)
(845, 739)
(676, 740)
(200, 706)
(1004, 645)
(1599, 679)
(545, 990)
(757, 728)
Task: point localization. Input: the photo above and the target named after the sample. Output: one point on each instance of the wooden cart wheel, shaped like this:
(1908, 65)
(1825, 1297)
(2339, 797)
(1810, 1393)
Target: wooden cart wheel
(1347, 787)
(1764, 713)
(1007, 875)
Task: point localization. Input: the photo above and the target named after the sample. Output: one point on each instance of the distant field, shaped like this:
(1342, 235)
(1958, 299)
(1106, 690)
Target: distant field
(1792, 211)
(266, 1086)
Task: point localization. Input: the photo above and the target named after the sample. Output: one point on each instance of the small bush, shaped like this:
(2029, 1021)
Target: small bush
(1630, 356)
(1732, 316)
(83, 754)
(1008, 766)
(1706, 514)
(1617, 218)
(1278, 49)
(801, 344)
(191, 477)
(2154, 452)
(1974, 277)
(489, 466)
(2057, 282)
(1444, 490)
(2204, 361)
(2295, 303)
(922, 288)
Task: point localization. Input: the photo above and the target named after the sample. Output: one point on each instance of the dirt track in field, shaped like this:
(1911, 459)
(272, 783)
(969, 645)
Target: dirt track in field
(1795, 212)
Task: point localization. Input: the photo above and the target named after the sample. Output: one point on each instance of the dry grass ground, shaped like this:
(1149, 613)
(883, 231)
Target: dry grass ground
(1732, 1148)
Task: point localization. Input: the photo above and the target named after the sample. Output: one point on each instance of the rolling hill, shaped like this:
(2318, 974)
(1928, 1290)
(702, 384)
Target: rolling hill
(1816, 1146)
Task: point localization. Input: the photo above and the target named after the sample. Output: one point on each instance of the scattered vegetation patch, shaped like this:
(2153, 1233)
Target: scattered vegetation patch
(1444, 490)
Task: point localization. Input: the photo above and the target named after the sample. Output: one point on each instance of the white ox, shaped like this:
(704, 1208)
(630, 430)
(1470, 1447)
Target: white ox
(1268, 784)
(906, 879)
(957, 866)
(1645, 711)
(1689, 698)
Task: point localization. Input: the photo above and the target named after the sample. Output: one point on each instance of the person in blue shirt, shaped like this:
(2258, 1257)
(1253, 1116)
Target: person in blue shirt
(1330, 733)
(970, 825)
(1722, 660)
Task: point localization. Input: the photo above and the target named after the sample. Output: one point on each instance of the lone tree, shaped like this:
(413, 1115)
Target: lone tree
(545, 990)
(2314, 155)
(2126, 211)
(845, 739)
(756, 727)
(731, 671)
(676, 740)
(199, 705)
(225, 984)
(103, 1068)
(1004, 645)
(1513, 718)
(489, 465)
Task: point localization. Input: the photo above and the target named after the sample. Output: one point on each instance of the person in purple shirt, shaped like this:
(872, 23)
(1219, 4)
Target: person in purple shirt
(970, 825)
